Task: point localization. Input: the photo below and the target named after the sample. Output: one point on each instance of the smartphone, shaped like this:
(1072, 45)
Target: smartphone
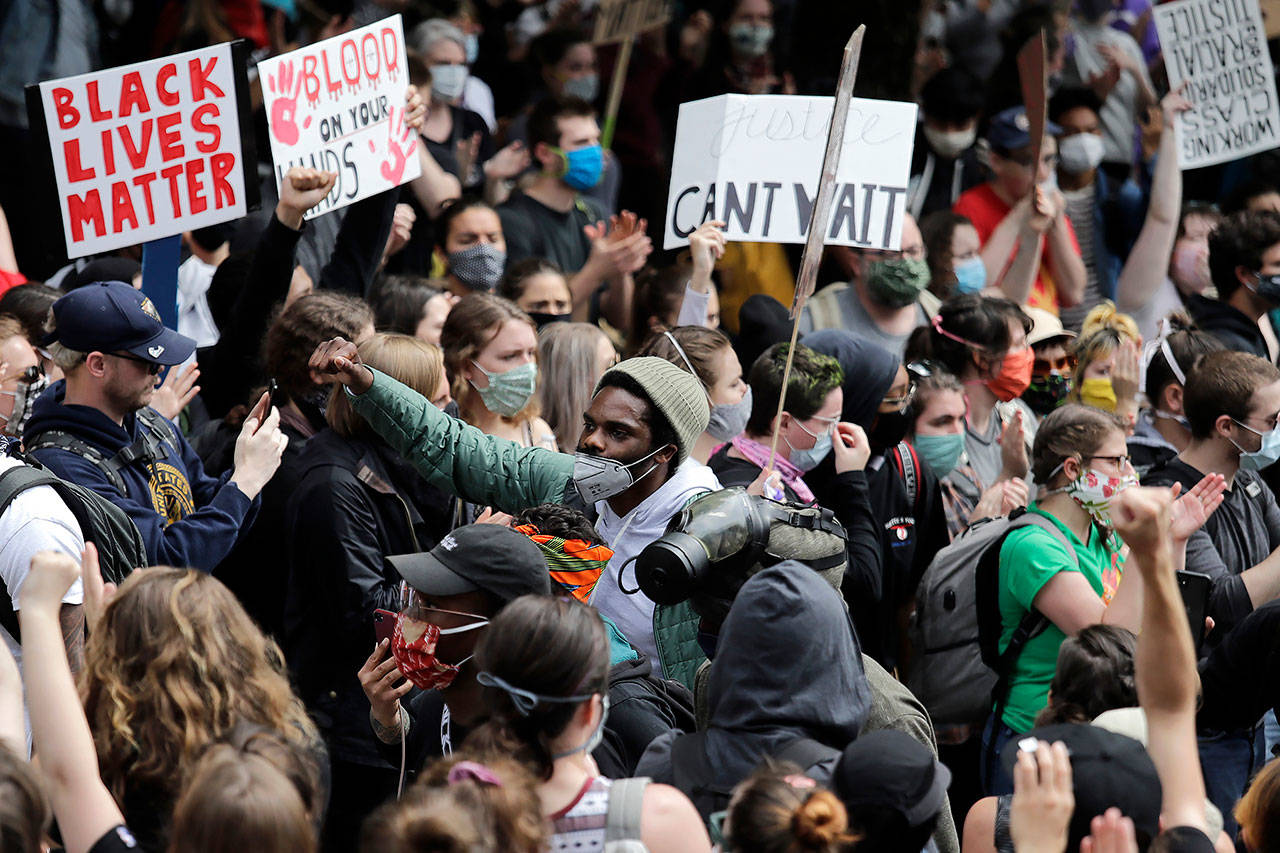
(1195, 587)
(384, 624)
(273, 394)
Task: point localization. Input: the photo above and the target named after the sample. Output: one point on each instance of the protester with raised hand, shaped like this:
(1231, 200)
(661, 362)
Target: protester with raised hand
(87, 813)
(1144, 289)
(1165, 667)
(631, 468)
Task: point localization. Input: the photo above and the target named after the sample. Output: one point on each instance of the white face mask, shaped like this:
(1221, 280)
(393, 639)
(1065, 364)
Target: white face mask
(448, 81)
(950, 143)
(1080, 153)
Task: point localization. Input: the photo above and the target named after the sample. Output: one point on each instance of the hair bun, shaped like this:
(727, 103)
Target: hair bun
(820, 820)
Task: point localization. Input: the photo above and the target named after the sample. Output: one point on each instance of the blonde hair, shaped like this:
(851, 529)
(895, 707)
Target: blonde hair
(173, 666)
(449, 810)
(473, 323)
(779, 810)
(238, 801)
(1105, 316)
(1103, 331)
(568, 350)
(1258, 811)
(406, 359)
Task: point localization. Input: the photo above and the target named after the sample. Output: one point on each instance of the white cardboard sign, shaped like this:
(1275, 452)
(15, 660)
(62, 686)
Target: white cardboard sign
(754, 161)
(147, 150)
(1219, 48)
(338, 105)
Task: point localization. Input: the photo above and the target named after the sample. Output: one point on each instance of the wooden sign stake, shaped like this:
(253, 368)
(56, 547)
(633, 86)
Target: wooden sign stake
(814, 239)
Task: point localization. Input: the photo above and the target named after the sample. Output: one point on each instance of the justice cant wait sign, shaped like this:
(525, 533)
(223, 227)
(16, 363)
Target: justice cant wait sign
(148, 150)
(754, 162)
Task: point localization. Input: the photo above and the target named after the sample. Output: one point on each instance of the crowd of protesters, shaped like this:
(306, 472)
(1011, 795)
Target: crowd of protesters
(464, 518)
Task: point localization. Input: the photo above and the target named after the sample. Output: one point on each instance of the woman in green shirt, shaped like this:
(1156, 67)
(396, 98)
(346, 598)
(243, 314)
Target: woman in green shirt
(1081, 461)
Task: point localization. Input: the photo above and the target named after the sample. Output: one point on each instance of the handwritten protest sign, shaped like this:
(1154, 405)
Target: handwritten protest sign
(148, 150)
(338, 105)
(1219, 48)
(753, 161)
(617, 20)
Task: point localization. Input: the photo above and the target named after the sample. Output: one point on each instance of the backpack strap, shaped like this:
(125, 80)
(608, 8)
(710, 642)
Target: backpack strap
(157, 441)
(626, 808)
(14, 482)
(904, 456)
(805, 752)
(1032, 625)
(56, 439)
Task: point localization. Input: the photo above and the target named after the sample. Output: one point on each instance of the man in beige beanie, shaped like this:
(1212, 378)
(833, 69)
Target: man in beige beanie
(631, 473)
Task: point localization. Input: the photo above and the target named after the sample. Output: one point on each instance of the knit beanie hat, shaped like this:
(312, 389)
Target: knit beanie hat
(676, 393)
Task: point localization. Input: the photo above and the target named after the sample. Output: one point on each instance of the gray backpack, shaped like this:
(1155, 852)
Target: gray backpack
(622, 820)
(960, 672)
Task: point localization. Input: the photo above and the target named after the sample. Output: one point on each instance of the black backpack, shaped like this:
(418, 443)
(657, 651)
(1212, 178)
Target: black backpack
(693, 774)
(120, 545)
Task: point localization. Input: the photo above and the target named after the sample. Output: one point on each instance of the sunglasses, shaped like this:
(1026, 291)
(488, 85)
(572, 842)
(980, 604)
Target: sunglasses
(152, 368)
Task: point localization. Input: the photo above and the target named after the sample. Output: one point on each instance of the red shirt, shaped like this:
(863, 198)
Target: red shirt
(985, 210)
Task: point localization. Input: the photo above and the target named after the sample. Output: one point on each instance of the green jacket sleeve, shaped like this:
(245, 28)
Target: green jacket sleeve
(459, 458)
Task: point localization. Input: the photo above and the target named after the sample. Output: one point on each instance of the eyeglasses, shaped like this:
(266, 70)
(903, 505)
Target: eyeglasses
(1122, 461)
(827, 424)
(152, 368)
(901, 402)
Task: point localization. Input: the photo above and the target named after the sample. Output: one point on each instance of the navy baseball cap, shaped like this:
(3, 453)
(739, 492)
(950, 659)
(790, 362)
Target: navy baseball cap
(490, 557)
(1011, 129)
(109, 316)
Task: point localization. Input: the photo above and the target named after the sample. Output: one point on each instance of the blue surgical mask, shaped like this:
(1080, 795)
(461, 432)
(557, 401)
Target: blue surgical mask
(582, 167)
(586, 87)
(806, 459)
(940, 452)
(508, 392)
(730, 419)
(471, 44)
(1266, 454)
(971, 275)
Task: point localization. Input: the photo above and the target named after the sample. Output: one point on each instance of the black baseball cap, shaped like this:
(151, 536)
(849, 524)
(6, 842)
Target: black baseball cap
(108, 316)
(1107, 770)
(488, 557)
(891, 769)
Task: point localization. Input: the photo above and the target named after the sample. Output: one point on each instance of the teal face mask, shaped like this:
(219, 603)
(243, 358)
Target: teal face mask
(508, 392)
(940, 452)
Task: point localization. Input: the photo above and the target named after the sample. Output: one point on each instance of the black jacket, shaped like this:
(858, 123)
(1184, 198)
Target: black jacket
(356, 504)
(1235, 330)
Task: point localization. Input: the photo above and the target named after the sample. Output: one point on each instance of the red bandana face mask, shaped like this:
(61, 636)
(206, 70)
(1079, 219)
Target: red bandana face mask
(414, 647)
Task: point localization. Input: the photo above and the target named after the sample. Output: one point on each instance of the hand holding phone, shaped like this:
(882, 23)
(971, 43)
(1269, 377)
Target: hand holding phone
(384, 625)
(1195, 588)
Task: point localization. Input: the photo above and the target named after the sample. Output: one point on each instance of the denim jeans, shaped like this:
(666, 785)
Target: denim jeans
(995, 780)
(1227, 760)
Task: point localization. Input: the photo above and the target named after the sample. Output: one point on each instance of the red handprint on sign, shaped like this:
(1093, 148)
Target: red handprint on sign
(284, 109)
(400, 145)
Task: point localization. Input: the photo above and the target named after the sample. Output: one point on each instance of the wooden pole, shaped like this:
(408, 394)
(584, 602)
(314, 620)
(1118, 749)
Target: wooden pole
(815, 238)
(615, 91)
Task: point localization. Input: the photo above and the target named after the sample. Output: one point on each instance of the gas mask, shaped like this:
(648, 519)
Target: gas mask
(721, 539)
